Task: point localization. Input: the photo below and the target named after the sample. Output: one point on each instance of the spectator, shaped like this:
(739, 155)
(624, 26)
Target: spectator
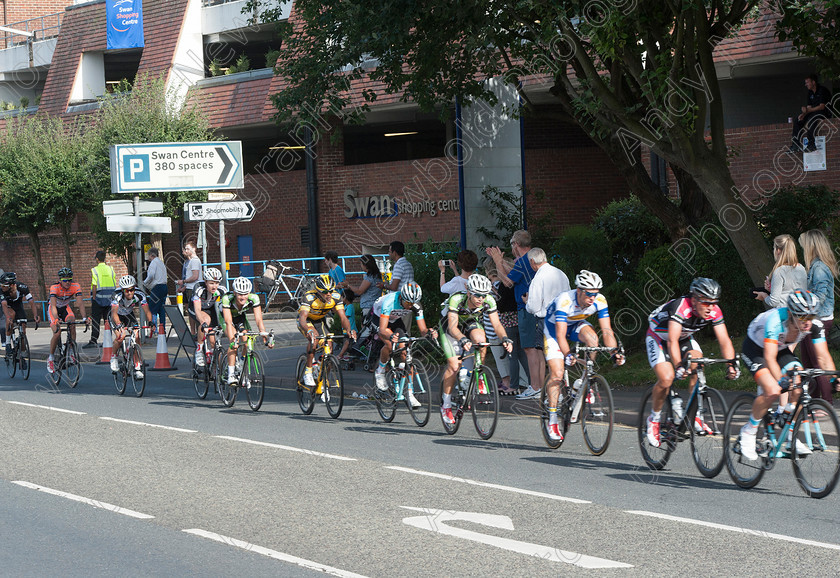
(190, 275)
(822, 269)
(350, 312)
(155, 283)
(335, 271)
(508, 366)
(369, 289)
(2, 321)
(102, 286)
(548, 283)
(467, 262)
(519, 277)
(815, 110)
(787, 274)
(402, 272)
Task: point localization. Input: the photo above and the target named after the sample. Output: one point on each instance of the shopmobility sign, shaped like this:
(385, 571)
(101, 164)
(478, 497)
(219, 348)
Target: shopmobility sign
(125, 23)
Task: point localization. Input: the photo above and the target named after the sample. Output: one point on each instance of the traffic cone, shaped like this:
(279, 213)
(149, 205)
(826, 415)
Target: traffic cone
(162, 352)
(107, 344)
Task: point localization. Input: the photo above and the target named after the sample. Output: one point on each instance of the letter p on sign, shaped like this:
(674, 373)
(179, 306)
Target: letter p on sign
(136, 168)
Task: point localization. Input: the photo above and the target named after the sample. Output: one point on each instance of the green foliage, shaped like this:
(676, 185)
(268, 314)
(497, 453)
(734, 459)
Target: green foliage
(241, 65)
(24, 102)
(215, 67)
(271, 58)
(506, 210)
(812, 28)
(424, 258)
(631, 230)
(582, 247)
(794, 210)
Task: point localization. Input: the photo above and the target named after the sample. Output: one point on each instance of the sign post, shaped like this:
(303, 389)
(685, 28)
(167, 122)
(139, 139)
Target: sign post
(220, 211)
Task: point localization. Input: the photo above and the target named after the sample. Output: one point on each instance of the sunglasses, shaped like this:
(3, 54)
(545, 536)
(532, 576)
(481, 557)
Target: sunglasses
(704, 302)
(132, 290)
(590, 293)
(6, 286)
(807, 318)
(66, 280)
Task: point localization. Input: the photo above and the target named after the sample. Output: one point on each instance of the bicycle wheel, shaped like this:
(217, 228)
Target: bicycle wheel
(418, 383)
(818, 428)
(23, 357)
(219, 365)
(201, 375)
(333, 386)
(253, 380)
(457, 408)
(138, 383)
(305, 394)
(386, 403)
(745, 473)
(54, 378)
(656, 457)
(11, 360)
(121, 376)
(707, 447)
(562, 415)
(485, 403)
(71, 365)
(227, 391)
(596, 415)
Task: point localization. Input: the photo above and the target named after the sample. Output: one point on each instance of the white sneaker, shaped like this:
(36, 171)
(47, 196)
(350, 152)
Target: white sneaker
(51, 366)
(747, 441)
(379, 378)
(231, 380)
(413, 400)
(529, 393)
(801, 448)
(199, 359)
(653, 432)
(308, 378)
(138, 374)
(115, 365)
(325, 395)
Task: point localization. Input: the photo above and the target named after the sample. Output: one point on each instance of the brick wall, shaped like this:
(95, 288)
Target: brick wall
(20, 10)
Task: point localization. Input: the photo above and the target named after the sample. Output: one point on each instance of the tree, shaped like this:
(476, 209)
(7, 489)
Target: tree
(630, 73)
(44, 167)
(146, 112)
(812, 28)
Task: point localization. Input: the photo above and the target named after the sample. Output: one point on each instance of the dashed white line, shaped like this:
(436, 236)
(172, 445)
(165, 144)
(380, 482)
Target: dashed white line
(288, 448)
(758, 533)
(274, 554)
(169, 427)
(488, 485)
(82, 499)
(49, 407)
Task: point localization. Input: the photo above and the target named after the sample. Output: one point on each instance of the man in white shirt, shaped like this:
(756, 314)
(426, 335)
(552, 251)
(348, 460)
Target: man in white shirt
(548, 283)
(402, 272)
(155, 283)
(190, 275)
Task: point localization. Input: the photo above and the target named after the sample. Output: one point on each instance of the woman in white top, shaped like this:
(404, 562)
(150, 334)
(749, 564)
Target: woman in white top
(787, 275)
(467, 262)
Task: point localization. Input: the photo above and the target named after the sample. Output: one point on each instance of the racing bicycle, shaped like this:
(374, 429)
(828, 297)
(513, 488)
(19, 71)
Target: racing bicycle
(19, 354)
(480, 396)
(329, 384)
(67, 358)
(405, 377)
(248, 370)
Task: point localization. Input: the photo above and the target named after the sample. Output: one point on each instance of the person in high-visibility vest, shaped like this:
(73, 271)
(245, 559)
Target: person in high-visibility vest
(102, 286)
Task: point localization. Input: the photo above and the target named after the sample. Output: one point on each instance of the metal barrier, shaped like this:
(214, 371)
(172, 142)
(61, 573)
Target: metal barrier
(42, 28)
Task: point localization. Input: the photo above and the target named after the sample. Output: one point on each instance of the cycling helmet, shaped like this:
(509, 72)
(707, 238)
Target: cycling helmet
(65, 273)
(127, 282)
(242, 285)
(411, 292)
(479, 284)
(588, 280)
(802, 303)
(212, 274)
(324, 284)
(705, 287)
(8, 278)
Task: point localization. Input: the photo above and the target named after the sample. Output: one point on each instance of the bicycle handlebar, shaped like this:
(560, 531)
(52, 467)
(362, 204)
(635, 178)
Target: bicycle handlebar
(709, 360)
(812, 372)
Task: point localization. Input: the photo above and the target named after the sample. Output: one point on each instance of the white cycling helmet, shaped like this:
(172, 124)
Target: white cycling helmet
(127, 282)
(479, 285)
(212, 274)
(588, 280)
(242, 285)
(802, 303)
(411, 292)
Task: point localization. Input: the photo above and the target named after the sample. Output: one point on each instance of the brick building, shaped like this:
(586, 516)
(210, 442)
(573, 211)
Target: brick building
(397, 176)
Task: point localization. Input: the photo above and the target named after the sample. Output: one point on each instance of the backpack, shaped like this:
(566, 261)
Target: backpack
(269, 277)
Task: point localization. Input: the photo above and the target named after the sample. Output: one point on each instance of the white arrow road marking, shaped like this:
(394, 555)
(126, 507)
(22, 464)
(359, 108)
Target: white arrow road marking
(274, 554)
(88, 501)
(436, 521)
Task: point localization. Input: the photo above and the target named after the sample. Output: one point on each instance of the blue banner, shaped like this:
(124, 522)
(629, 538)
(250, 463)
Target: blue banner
(125, 23)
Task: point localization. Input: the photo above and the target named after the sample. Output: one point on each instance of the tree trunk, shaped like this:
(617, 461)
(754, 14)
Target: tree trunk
(693, 203)
(39, 263)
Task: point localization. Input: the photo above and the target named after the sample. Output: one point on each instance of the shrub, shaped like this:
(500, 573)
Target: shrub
(582, 247)
(794, 210)
(424, 258)
(506, 210)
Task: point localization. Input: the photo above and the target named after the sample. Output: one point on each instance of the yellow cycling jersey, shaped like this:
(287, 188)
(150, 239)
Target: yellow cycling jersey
(316, 308)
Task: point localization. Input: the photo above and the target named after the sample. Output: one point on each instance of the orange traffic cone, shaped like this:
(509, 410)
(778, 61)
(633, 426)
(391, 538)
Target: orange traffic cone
(107, 344)
(162, 352)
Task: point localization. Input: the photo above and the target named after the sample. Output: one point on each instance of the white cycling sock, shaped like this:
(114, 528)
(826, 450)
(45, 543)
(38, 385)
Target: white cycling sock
(447, 400)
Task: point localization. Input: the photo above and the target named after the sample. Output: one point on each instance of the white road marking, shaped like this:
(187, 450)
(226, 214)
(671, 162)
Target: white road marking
(489, 485)
(758, 533)
(287, 448)
(49, 407)
(274, 554)
(436, 521)
(169, 427)
(82, 499)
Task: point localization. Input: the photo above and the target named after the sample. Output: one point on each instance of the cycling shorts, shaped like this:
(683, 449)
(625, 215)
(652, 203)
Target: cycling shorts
(550, 344)
(657, 351)
(753, 356)
(320, 326)
(64, 314)
(214, 316)
(128, 320)
(450, 345)
(17, 308)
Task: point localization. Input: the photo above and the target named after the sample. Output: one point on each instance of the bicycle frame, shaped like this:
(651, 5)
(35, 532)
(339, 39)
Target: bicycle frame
(280, 281)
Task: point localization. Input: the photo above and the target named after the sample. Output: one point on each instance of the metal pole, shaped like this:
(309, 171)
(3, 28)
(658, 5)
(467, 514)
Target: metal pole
(311, 193)
(222, 256)
(138, 240)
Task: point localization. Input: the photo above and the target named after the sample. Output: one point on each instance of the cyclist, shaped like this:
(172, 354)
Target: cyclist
(206, 298)
(768, 352)
(315, 305)
(464, 319)
(61, 294)
(391, 311)
(565, 322)
(12, 296)
(670, 337)
(122, 317)
(235, 305)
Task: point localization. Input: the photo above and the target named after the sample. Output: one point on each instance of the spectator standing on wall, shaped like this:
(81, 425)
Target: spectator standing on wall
(190, 276)
(155, 283)
(402, 272)
(815, 110)
(369, 289)
(102, 286)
